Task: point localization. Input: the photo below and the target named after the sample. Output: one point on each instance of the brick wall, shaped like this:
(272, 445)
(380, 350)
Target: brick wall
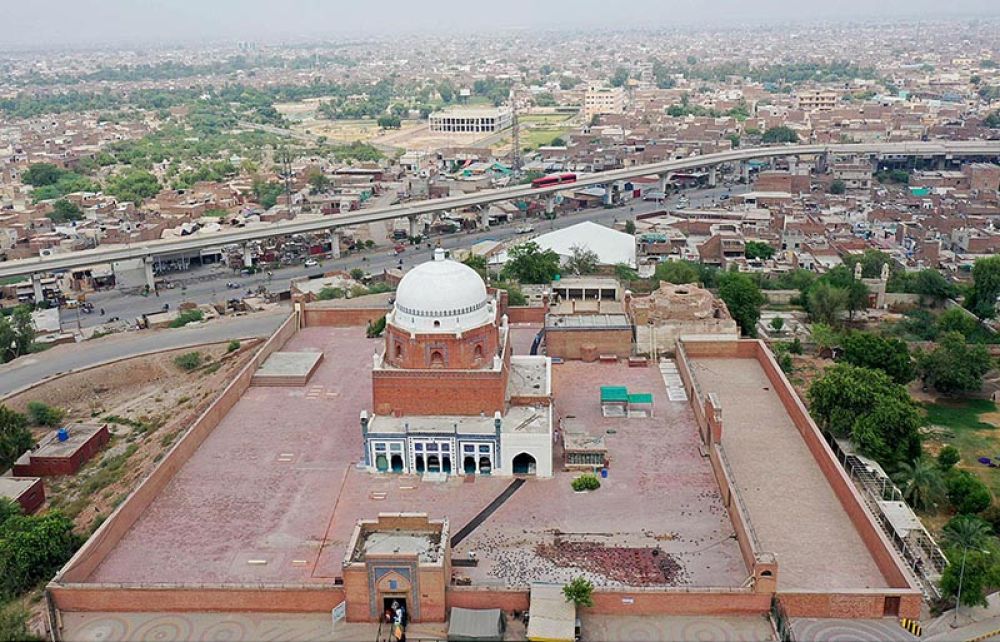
(273, 599)
(341, 317)
(436, 392)
(666, 602)
(855, 604)
(568, 344)
(525, 314)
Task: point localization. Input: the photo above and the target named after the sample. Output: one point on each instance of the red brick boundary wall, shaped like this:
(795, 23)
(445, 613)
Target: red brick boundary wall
(264, 598)
(525, 314)
(860, 603)
(340, 317)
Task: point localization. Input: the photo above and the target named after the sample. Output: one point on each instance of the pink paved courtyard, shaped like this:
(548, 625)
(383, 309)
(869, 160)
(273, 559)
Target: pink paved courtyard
(273, 494)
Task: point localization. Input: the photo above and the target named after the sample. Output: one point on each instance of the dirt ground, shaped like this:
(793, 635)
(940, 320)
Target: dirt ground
(148, 402)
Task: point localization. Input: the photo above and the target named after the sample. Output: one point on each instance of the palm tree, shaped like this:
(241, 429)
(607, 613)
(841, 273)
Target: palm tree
(967, 531)
(921, 484)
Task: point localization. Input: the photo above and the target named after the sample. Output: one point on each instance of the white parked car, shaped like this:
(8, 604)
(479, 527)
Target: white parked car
(311, 263)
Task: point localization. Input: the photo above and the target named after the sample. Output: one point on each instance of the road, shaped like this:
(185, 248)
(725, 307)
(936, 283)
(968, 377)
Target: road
(943, 150)
(208, 284)
(64, 358)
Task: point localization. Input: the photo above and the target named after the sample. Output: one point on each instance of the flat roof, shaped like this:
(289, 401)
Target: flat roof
(792, 507)
(424, 544)
(516, 419)
(585, 321)
(79, 434)
(14, 487)
(283, 364)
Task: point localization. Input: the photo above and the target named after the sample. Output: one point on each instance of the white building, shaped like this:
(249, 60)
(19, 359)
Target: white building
(603, 100)
(463, 120)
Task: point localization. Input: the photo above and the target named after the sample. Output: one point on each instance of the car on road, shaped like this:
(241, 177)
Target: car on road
(526, 229)
(311, 263)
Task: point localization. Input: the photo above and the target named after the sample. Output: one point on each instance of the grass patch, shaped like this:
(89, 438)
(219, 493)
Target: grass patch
(966, 431)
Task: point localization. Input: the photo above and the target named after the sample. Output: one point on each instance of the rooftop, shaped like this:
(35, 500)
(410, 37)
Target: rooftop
(79, 434)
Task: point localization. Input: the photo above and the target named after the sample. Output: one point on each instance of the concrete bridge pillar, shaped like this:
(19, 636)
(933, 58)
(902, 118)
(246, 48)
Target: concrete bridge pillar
(247, 256)
(793, 164)
(484, 218)
(36, 285)
(745, 172)
(664, 183)
(334, 244)
(608, 195)
(713, 177)
(147, 264)
(550, 204)
(414, 228)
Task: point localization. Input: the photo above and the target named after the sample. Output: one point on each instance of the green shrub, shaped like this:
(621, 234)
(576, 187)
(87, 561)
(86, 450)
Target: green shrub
(186, 317)
(966, 493)
(188, 361)
(233, 346)
(328, 293)
(947, 458)
(15, 438)
(42, 414)
(587, 481)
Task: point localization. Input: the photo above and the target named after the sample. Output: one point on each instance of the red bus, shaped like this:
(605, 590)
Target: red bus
(553, 179)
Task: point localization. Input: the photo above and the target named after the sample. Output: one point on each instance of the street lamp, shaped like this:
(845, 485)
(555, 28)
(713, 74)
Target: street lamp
(961, 578)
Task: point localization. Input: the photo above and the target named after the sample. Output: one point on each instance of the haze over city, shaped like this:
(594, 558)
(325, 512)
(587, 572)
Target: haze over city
(107, 22)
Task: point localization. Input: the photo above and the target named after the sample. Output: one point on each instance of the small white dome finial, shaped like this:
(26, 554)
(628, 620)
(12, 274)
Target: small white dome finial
(439, 254)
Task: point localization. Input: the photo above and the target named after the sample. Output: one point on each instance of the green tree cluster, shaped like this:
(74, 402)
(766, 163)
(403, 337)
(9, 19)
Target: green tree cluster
(17, 333)
(133, 186)
(954, 366)
(891, 356)
(32, 548)
(779, 134)
(985, 287)
(866, 405)
(743, 298)
(758, 250)
(527, 263)
(15, 438)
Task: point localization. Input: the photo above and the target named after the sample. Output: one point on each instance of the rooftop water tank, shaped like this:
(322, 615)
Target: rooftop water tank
(62, 434)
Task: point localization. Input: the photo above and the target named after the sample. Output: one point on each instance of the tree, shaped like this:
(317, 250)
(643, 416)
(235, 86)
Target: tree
(620, 77)
(318, 182)
(920, 483)
(17, 334)
(838, 187)
(931, 284)
(389, 122)
(877, 414)
(558, 142)
(625, 272)
(824, 336)
(957, 320)
(42, 174)
(780, 134)
(826, 303)
(871, 264)
(33, 548)
(478, 263)
(676, 272)
(63, 211)
(580, 592)
(743, 298)
(14, 624)
(134, 186)
(527, 263)
(967, 493)
(975, 569)
(954, 366)
(15, 438)
(892, 356)
(985, 287)
(357, 274)
(582, 260)
(777, 324)
(992, 120)
(375, 329)
(630, 226)
(446, 91)
(947, 457)
(758, 250)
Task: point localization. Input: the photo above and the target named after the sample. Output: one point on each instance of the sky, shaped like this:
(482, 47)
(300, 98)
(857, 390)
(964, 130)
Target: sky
(74, 22)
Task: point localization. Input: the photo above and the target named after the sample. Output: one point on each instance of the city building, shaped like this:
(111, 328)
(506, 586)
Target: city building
(471, 120)
(603, 100)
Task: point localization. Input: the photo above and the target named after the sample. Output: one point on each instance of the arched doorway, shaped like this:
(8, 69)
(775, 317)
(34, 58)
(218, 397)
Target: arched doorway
(524, 464)
(381, 463)
(469, 465)
(433, 464)
(397, 463)
(419, 463)
(437, 359)
(484, 465)
(446, 464)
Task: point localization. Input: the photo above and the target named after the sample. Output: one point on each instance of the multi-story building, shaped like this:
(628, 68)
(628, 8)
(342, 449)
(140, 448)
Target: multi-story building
(461, 120)
(603, 100)
(816, 100)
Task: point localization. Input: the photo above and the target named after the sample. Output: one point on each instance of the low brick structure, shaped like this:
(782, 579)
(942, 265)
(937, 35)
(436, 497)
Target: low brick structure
(29, 492)
(63, 457)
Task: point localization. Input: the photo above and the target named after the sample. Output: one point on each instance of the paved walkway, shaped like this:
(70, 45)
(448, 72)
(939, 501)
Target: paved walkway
(64, 358)
(653, 628)
(844, 630)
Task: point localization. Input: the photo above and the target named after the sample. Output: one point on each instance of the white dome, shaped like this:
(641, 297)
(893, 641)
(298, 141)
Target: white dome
(442, 296)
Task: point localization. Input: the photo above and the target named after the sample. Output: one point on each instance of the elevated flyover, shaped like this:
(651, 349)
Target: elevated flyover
(150, 249)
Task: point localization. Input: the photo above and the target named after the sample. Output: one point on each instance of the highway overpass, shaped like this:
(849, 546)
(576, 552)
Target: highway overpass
(148, 250)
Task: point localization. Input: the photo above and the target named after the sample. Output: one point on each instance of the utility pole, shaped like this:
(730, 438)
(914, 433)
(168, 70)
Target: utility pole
(515, 161)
